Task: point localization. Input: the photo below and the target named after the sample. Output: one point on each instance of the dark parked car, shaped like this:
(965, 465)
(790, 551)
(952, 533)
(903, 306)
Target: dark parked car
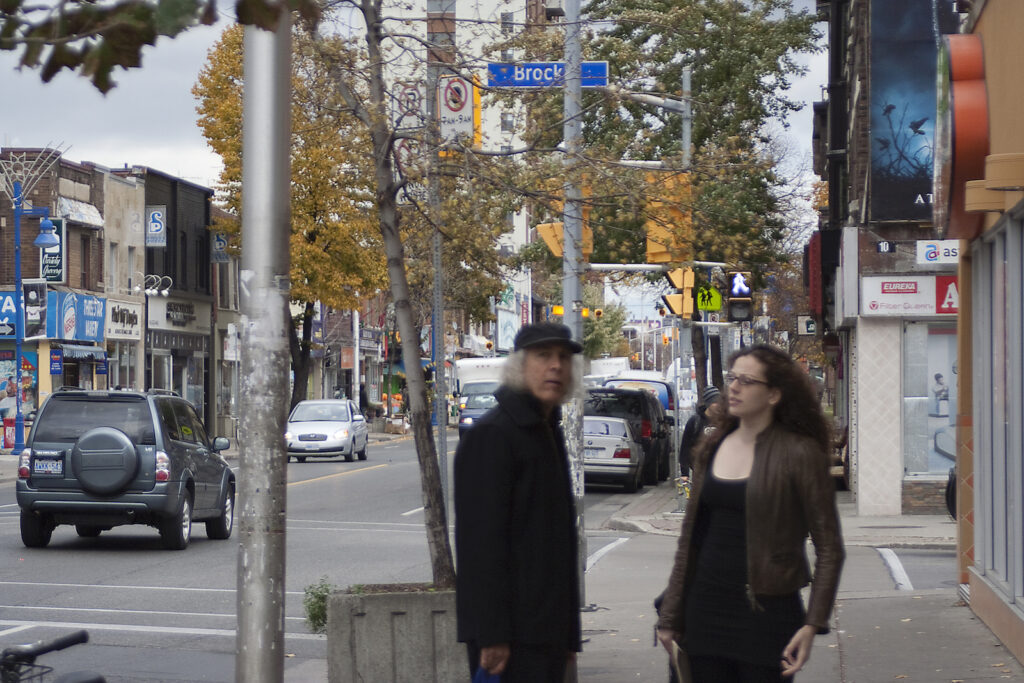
(100, 459)
(476, 406)
(651, 426)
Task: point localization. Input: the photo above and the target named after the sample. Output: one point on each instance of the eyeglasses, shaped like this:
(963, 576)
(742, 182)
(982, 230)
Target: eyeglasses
(744, 380)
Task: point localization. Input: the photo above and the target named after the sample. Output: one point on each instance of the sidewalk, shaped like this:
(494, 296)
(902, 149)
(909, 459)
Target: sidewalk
(879, 634)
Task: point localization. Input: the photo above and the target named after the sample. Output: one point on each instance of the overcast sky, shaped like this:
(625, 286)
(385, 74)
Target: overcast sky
(149, 119)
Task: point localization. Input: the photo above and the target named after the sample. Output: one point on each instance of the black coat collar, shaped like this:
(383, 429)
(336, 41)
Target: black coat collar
(524, 408)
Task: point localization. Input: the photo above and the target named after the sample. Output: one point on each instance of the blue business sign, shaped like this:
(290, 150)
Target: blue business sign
(75, 317)
(56, 361)
(156, 226)
(8, 308)
(543, 75)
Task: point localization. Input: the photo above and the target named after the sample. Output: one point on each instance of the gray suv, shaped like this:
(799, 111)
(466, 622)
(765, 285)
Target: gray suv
(100, 459)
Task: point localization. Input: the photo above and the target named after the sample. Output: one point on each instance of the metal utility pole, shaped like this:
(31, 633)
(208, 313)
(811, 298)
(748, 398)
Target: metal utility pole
(357, 395)
(265, 287)
(572, 263)
(440, 14)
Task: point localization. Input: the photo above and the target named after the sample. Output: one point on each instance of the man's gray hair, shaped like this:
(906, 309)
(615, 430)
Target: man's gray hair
(513, 374)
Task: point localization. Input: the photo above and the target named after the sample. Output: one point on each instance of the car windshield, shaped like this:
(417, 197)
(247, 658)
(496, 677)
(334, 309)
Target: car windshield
(65, 420)
(320, 412)
(600, 427)
(480, 387)
(481, 402)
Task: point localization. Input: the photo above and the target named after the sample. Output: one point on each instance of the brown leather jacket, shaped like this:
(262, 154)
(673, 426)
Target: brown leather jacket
(790, 494)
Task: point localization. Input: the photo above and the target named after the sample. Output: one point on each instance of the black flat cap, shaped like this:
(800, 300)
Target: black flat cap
(539, 334)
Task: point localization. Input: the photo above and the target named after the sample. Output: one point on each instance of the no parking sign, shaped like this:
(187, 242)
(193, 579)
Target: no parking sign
(458, 103)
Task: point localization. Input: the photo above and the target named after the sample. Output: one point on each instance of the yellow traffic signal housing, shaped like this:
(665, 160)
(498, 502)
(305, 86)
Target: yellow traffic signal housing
(679, 304)
(681, 278)
(551, 233)
(669, 224)
(557, 310)
(598, 313)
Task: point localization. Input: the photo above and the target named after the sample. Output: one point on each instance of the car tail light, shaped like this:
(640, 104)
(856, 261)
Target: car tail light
(24, 464)
(645, 429)
(671, 402)
(623, 453)
(163, 466)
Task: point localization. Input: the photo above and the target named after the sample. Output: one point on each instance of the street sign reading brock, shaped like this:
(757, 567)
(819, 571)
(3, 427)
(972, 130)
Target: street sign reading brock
(544, 75)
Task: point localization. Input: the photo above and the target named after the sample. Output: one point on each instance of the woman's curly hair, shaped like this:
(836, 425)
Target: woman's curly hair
(797, 411)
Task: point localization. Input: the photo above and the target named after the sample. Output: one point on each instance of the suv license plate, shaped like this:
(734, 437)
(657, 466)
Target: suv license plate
(48, 466)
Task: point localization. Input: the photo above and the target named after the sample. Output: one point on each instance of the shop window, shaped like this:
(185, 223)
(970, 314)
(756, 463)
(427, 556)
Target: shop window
(929, 397)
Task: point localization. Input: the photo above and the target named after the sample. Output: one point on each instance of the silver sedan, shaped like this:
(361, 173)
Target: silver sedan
(611, 452)
(328, 428)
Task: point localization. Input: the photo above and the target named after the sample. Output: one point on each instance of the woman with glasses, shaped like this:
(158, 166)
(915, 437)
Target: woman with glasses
(760, 486)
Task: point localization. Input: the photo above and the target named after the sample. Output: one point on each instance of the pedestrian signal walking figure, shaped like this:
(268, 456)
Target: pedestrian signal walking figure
(732, 611)
(517, 591)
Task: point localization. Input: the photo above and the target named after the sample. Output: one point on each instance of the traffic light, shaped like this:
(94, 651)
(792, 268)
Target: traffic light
(551, 233)
(680, 303)
(598, 313)
(668, 223)
(741, 307)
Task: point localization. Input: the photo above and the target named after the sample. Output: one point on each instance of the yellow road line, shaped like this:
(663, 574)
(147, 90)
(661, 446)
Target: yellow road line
(337, 474)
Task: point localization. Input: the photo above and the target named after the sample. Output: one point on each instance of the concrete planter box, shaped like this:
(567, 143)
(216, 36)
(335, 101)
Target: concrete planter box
(394, 637)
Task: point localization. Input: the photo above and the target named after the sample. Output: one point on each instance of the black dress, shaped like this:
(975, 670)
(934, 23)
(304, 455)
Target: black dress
(719, 618)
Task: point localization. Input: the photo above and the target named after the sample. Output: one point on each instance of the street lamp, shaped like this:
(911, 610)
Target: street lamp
(153, 285)
(46, 238)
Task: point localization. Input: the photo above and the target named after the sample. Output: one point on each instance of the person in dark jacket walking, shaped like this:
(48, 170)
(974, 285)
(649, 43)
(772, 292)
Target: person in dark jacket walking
(517, 590)
(699, 424)
(761, 485)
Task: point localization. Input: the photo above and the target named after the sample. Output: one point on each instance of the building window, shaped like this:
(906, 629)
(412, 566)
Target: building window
(508, 122)
(183, 262)
(85, 270)
(202, 260)
(506, 56)
(113, 271)
(998, 386)
(133, 267)
(507, 23)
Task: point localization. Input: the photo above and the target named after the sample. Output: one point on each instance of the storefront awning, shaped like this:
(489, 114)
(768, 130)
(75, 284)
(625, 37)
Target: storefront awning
(79, 212)
(399, 367)
(81, 352)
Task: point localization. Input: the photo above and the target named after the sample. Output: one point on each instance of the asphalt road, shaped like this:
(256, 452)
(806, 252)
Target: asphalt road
(158, 615)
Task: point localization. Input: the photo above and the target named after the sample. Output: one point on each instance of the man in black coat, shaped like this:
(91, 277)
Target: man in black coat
(517, 591)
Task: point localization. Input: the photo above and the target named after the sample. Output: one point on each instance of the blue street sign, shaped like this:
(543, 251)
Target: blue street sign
(543, 75)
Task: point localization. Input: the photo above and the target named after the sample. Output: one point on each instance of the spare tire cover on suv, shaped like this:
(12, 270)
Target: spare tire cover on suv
(104, 460)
